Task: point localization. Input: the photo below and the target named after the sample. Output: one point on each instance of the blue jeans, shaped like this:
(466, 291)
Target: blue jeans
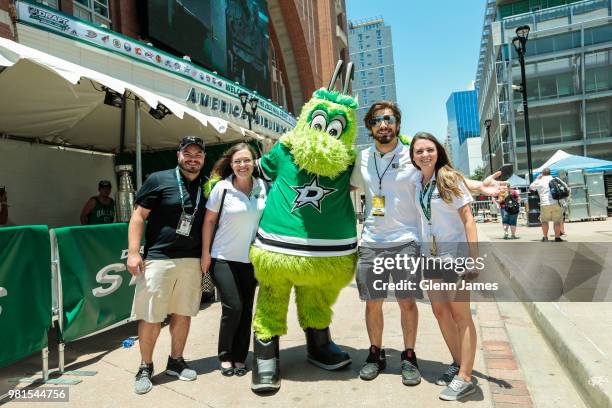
(508, 219)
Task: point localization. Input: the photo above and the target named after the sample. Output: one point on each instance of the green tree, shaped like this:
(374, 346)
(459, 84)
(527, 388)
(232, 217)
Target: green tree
(478, 174)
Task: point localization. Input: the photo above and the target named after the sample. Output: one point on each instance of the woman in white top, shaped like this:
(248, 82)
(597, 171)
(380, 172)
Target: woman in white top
(447, 227)
(240, 198)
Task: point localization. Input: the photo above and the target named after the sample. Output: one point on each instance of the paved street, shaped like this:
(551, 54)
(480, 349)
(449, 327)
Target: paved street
(515, 366)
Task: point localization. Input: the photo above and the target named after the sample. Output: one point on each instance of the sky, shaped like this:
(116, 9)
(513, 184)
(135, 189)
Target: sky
(435, 50)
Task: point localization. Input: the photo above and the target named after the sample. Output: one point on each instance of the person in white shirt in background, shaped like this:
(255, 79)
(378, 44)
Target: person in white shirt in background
(447, 226)
(550, 209)
(228, 259)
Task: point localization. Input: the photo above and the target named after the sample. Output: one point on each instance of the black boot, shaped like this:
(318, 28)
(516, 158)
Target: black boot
(323, 352)
(266, 365)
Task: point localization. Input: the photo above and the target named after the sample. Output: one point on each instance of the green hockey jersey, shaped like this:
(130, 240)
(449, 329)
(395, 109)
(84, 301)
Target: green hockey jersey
(305, 214)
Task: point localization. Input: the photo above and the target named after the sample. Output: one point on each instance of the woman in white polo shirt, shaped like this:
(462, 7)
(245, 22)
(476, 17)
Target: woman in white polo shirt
(240, 198)
(448, 231)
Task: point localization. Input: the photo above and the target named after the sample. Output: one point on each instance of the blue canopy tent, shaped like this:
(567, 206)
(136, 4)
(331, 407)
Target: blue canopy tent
(573, 162)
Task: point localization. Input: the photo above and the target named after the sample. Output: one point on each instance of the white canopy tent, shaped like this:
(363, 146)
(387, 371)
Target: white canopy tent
(51, 100)
(516, 181)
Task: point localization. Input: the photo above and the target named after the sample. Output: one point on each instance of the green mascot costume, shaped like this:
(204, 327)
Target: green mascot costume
(307, 237)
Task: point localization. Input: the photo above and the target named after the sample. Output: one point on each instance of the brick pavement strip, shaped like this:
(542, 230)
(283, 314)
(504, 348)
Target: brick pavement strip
(512, 399)
(507, 405)
(506, 380)
(501, 363)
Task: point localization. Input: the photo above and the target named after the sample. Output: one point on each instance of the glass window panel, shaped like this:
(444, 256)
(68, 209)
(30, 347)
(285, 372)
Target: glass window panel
(520, 131)
(590, 83)
(544, 45)
(592, 125)
(604, 78)
(551, 129)
(81, 13)
(548, 87)
(599, 118)
(563, 41)
(98, 8)
(570, 129)
(520, 7)
(49, 3)
(598, 35)
(533, 91)
(565, 84)
(535, 130)
(83, 2)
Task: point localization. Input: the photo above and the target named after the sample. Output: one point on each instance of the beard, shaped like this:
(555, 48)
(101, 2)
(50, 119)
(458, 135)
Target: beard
(386, 138)
(193, 169)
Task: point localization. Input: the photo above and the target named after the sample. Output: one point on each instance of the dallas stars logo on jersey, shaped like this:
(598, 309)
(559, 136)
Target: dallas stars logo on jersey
(306, 214)
(311, 194)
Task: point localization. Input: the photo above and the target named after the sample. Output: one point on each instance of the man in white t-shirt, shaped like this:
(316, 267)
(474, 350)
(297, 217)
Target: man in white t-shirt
(550, 209)
(384, 172)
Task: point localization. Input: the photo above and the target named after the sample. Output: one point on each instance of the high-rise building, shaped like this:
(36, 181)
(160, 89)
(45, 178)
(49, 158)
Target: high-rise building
(371, 50)
(464, 131)
(569, 80)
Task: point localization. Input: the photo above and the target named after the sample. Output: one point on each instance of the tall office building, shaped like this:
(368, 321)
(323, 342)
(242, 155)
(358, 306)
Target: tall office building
(371, 50)
(569, 80)
(464, 131)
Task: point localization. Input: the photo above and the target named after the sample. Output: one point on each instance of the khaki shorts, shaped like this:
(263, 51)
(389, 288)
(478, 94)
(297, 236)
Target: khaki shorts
(552, 212)
(168, 286)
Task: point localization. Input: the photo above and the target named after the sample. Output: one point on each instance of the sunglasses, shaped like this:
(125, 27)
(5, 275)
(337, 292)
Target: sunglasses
(377, 120)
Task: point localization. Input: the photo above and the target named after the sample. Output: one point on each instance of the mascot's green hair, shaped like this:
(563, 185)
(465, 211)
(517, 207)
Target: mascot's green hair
(336, 97)
(315, 149)
(210, 184)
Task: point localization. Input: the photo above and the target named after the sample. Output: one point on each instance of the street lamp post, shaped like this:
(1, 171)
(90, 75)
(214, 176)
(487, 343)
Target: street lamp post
(519, 42)
(488, 126)
(244, 99)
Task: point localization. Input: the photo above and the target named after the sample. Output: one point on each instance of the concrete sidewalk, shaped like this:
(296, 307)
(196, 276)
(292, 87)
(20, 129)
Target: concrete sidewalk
(513, 367)
(578, 332)
(303, 385)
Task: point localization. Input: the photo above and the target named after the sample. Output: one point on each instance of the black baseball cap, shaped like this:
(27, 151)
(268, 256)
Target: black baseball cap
(104, 183)
(191, 140)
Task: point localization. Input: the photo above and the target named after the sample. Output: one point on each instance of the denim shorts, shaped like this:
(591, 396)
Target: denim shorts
(509, 219)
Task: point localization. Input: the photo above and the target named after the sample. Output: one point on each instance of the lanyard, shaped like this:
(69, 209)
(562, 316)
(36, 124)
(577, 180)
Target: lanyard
(380, 177)
(426, 193)
(180, 187)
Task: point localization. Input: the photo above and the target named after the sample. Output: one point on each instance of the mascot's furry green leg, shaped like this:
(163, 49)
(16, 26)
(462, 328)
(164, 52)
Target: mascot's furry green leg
(315, 295)
(278, 273)
(307, 237)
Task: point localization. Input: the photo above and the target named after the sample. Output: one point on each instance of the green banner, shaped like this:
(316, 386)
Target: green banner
(96, 286)
(25, 291)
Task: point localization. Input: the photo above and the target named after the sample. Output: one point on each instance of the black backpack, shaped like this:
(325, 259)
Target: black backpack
(512, 206)
(558, 190)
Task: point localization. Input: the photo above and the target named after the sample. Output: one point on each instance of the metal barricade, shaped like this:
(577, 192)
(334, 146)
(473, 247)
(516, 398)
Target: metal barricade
(485, 210)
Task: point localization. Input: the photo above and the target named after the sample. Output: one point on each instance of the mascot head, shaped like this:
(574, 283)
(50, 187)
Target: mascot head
(322, 140)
